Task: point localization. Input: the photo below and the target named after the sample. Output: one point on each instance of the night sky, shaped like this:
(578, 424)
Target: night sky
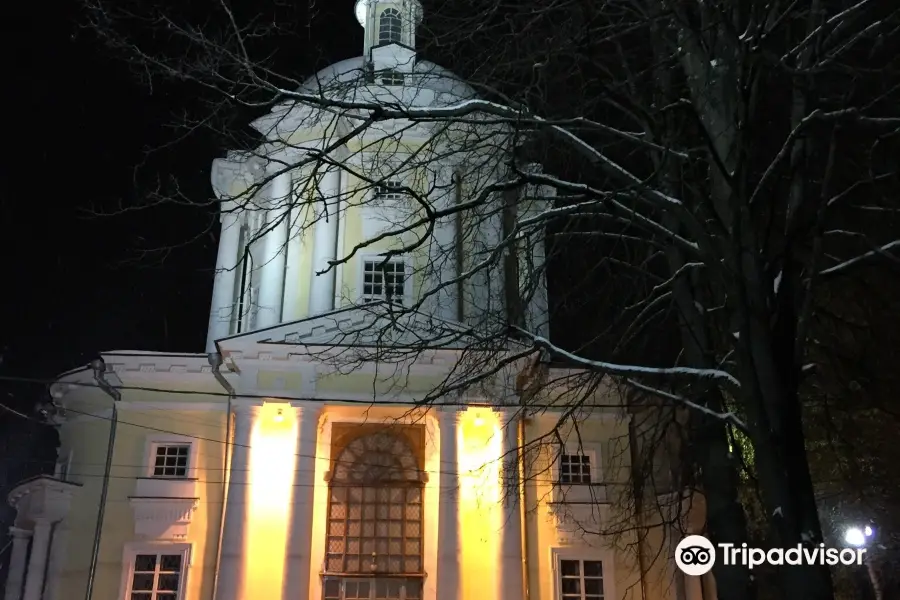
(76, 283)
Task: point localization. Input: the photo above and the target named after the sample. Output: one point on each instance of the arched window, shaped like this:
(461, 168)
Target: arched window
(375, 520)
(390, 27)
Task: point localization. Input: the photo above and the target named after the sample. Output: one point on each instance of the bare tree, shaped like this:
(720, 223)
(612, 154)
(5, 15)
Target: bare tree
(724, 158)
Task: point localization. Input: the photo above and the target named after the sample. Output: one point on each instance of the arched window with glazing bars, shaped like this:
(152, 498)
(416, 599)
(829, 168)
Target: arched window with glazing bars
(375, 521)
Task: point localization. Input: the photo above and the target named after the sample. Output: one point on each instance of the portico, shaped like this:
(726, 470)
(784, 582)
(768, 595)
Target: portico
(41, 504)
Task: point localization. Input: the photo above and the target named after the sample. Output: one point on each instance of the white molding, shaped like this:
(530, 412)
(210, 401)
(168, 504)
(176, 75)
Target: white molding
(163, 518)
(132, 549)
(605, 556)
(143, 405)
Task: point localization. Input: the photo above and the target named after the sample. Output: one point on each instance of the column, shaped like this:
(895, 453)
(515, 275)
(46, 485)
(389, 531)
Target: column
(448, 552)
(40, 547)
(321, 291)
(231, 575)
(291, 308)
(271, 279)
(511, 584)
(17, 561)
(58, 549)
(299, 545)
(223, 301)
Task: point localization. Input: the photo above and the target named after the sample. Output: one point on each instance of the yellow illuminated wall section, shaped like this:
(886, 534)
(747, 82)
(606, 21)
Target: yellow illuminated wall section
(273, 446)
(479, 501)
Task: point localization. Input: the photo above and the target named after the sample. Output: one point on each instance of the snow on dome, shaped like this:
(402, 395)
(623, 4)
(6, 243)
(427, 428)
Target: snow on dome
(347, 77)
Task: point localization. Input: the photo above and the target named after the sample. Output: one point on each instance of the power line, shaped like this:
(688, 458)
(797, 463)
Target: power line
(217, 441)
(367, 402)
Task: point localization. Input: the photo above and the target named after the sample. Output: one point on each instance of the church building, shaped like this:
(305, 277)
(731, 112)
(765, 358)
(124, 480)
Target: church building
(358, 427)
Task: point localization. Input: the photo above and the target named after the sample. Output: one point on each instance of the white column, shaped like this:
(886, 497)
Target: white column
(271, 280)
(299, 546)
(16, 575)
(511, 584)
(231, 569)
(321, 290)
(58, 547)
(37, 562)
(448, 554)
(291, 309)
(223, 301)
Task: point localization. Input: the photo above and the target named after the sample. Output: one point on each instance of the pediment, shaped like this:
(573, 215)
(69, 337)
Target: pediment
(371, 326)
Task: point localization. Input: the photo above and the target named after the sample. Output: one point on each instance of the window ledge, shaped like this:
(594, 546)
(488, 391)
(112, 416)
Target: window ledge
(576, 522)
(580, 493)
(162, 487)
(162, 518)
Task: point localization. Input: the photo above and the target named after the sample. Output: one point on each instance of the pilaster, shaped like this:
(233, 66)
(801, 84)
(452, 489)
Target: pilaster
(17, 561)
(511, 580)
(37, 561)
(231, 570)
(448, 558)
(298, 569)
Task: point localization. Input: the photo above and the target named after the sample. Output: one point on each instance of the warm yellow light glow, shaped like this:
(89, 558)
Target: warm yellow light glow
(273, 446)
(479, 503)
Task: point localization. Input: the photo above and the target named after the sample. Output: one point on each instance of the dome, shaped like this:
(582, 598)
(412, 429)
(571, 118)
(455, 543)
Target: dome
(344, 78)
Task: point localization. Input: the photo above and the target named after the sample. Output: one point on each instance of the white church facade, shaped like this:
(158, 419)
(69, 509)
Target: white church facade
(320, 448)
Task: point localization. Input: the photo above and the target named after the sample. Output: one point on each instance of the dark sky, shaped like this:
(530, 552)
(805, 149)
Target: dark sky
(75, 284)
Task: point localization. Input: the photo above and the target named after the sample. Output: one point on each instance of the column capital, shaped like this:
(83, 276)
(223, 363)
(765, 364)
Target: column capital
(19, 533)
(246, 408)
(447, 415)
(306, 408)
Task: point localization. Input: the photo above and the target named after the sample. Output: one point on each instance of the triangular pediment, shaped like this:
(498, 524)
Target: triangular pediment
(375, 325)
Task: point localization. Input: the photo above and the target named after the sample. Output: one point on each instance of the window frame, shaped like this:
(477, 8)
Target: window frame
(390, 78)
(381, 191)
(591, 451)
(342, 581)
(604, 557)
(133, 549)
(155, 441)
(389, 39)
(407, 281)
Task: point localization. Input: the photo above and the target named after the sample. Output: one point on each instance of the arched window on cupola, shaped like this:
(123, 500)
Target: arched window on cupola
(375, 521)
(390, 27)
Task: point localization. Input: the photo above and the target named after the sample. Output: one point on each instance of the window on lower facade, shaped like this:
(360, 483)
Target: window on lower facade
(171, 460)
(156, 577)
(580, 579)
(384, 281)
(575, 469)
(375, 522)
(372, 588)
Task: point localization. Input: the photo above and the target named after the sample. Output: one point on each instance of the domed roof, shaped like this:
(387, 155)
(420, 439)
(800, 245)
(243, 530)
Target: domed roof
(348, 76)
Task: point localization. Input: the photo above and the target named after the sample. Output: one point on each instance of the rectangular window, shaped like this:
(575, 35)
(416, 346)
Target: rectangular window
(389, 190)
(580, 579)
(381, 588)
(575, 469)
(171, 460)
(390, 77)
(384, 281)
(156, 577)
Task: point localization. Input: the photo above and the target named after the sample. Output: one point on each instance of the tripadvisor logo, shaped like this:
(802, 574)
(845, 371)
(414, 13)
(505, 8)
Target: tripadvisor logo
(696, 555)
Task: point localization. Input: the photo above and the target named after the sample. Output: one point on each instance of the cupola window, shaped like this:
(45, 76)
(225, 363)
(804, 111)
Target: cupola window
(390, 26)
(391, 77)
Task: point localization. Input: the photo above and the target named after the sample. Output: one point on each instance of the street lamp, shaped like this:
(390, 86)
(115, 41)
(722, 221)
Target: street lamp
(859, 537)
